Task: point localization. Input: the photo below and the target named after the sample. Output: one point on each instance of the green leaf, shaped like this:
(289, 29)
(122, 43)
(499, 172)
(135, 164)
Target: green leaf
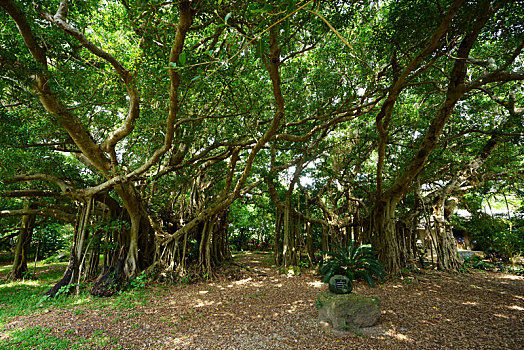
(352, 261)
(228, 16)
(182, 58)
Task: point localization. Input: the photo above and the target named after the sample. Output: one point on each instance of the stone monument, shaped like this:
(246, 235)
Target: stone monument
(345, 311)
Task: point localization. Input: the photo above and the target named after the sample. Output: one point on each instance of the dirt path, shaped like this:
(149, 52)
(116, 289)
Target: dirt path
(260, 309)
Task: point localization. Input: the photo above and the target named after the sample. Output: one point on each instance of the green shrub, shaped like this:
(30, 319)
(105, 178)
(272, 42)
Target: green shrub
(353, 261)
(139, 282)
(502, 236)
(476, 262)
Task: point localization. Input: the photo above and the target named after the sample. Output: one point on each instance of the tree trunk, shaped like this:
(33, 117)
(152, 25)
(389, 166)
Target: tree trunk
(310, 250)
(19, 269)
(286, 252)
(291, 237)
(94, 257)
(309, 244)
(278, 233)
(71, 275)
(325, 240)
(127, 262)
(383, 235)
(447, 258)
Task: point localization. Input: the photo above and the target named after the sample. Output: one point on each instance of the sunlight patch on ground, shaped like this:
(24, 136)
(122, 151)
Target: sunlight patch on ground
(5, 268)
(399, 336)
(183, 340)
(81, 301)
(203, 303)
(316, 284)
(474, 286)
(515, 307)
(31, 283)
(244, 281)
(512, 277)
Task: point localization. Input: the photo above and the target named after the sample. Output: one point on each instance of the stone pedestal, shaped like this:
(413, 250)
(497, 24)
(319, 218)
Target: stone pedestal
(348, 312)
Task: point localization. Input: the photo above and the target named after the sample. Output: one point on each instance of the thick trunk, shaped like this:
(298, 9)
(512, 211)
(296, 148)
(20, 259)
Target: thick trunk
(290, 252)
(129, 242)
(406, 244)
(310, 250)
(298, 242)
(72, 273)
(447, 257)
(135, 252)
(286, 252)
(211, 251)
(325, 239)
(19, 269)
(278, 233)
(204, 256)
(309, 244)
(383, 236)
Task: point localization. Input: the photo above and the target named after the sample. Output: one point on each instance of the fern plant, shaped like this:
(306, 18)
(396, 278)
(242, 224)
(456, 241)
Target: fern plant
(353, 261)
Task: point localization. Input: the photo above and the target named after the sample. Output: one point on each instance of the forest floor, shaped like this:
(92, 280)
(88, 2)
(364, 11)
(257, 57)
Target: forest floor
(257, 308)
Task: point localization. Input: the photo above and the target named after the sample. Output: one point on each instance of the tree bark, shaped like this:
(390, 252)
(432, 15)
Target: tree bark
(447, 257)
(277, 249)
(23, 244)
(383, 235)
(71, 275)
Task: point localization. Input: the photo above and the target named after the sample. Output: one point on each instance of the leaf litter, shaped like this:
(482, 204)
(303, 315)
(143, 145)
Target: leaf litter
(251, 306)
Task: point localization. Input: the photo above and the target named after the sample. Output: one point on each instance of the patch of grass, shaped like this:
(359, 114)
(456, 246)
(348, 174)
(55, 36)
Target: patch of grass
(26, 297)
(101, 340)
(129, 300)
(21, 298)
(38, 338)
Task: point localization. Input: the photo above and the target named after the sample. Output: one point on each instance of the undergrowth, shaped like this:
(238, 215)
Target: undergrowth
(26, 297)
